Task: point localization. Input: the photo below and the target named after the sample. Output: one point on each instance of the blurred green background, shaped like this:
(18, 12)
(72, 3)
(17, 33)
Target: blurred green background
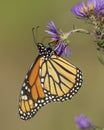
(17, 52)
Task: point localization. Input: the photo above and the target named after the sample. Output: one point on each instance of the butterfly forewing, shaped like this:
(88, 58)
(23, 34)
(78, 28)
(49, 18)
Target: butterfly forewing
(32, 96)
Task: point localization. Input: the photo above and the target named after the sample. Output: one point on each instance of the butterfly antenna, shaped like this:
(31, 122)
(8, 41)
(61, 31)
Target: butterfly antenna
(34, 32)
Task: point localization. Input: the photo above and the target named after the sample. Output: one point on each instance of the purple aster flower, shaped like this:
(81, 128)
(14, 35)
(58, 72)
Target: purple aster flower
(83, 10)
(82, 122)
(60, 38)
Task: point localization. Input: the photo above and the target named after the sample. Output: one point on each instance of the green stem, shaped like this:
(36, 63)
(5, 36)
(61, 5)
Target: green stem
(78, 30)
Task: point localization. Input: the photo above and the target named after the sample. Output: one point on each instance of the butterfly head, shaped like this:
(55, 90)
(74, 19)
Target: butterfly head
(46, 52)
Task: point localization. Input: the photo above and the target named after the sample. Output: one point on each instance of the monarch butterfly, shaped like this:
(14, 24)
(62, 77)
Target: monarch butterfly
(50, 78)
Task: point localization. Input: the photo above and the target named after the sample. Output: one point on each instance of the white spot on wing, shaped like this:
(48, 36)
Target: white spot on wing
(24, 84)
(40, 71)
(42, 79)
(21, 92)
(24, 97)
(26, 87)
(36, 104)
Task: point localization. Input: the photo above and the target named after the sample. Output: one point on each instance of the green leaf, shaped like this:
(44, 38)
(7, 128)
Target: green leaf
(101, 43)
(100, 57)
(99, 128)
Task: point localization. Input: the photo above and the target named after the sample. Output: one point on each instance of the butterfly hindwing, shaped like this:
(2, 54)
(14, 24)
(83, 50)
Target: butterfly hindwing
(61, 79)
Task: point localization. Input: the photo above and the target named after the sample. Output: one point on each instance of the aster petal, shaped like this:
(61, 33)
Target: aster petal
(99, 5)
(60, 49)
(67, 51)
(51, 33)
(52, 27)
(83, 3)
(55, 38)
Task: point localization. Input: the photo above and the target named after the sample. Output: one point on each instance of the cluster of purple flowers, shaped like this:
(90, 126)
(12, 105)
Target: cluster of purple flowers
(91, 8)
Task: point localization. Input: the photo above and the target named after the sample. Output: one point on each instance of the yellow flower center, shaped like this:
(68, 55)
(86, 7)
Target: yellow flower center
(85, 10)
(91, 7)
